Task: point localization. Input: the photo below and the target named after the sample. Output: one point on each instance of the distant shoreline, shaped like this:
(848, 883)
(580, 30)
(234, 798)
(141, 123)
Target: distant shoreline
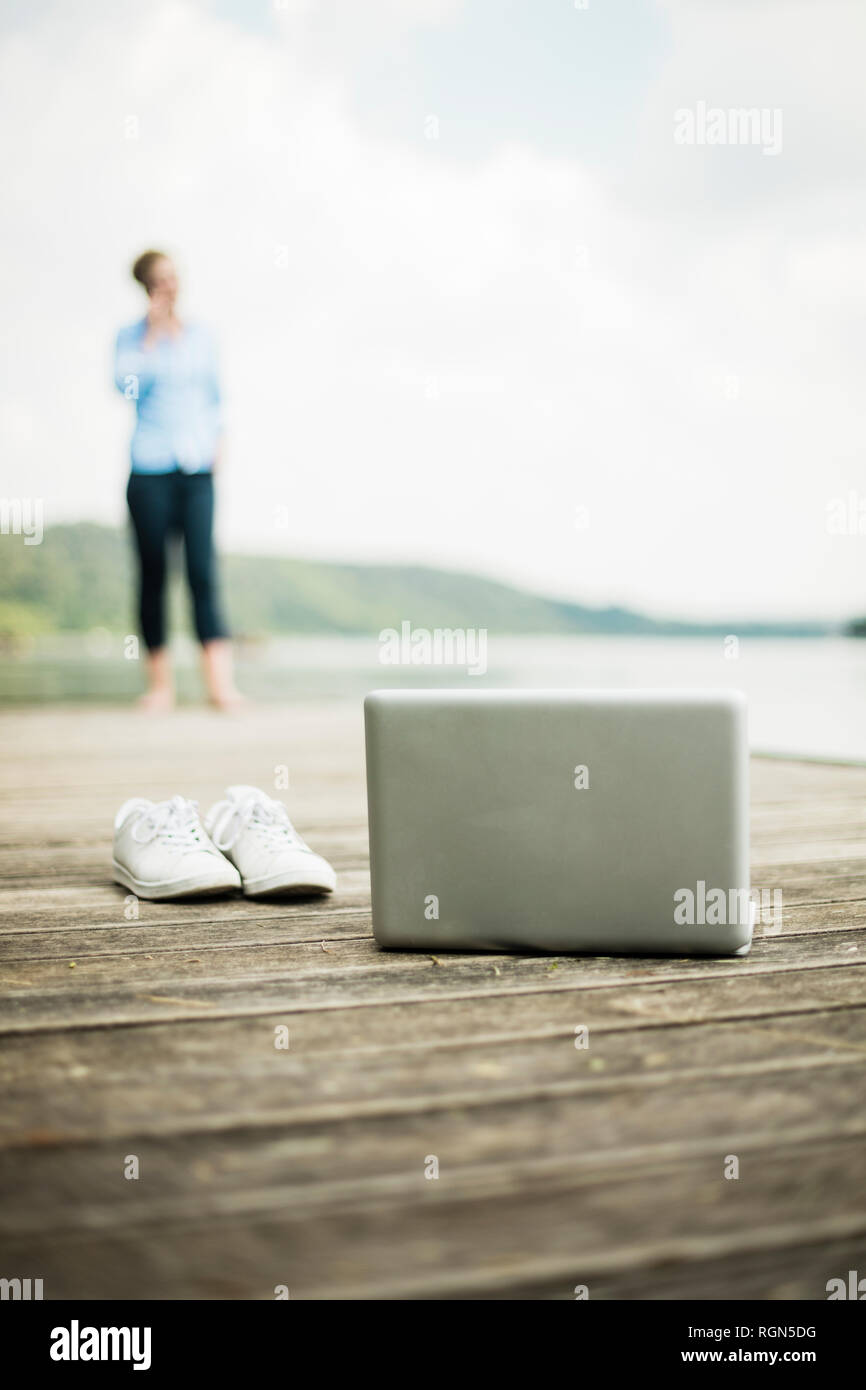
(80, 579)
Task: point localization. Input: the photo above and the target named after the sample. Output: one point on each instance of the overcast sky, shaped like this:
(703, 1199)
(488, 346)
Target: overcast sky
(477, 307)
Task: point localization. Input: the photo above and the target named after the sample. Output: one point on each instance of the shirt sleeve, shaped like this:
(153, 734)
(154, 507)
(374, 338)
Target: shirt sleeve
(213, 381)
(133, 368)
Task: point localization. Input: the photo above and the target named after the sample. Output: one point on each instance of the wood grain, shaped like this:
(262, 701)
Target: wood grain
(259, 1166)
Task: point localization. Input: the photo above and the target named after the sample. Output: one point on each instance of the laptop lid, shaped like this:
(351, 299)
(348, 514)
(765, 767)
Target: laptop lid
(595, 821)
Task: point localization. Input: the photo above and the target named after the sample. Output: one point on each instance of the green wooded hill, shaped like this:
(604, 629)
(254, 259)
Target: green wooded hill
(81, 577)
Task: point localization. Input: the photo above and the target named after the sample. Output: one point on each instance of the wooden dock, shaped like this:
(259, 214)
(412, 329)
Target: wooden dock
(259, 1167)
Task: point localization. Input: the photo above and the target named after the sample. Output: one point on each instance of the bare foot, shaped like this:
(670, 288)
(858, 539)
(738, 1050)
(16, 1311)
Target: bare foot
(228, 701)
(156, 701)
(219, 676)
(159, 698)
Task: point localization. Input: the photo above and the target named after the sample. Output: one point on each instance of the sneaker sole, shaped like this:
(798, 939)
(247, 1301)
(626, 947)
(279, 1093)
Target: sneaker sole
(169, 892)
(284, 886)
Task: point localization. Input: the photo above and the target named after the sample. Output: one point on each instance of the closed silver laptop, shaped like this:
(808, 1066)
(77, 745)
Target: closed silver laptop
(594, 821)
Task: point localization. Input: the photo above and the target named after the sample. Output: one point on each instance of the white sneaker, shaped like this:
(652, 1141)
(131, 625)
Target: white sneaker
(255, 833)
(161, 850)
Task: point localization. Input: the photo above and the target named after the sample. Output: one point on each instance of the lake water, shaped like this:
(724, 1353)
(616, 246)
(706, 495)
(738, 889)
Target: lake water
(806, 697)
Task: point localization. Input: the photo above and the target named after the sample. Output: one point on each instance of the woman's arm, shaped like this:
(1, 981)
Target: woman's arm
(133, 368)
(213, 381)
(133, 360)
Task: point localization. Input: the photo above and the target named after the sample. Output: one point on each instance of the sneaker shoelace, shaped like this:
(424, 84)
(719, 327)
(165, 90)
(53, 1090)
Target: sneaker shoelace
(175, 824)
(268, 819)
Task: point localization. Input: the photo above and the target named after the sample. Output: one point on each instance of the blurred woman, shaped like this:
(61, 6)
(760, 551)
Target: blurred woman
(168, 368)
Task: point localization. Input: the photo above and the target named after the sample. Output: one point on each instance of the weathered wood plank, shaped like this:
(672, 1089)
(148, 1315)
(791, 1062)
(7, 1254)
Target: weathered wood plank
(355, 973)
(230, 923)
(178, 1080)
(493, 1227)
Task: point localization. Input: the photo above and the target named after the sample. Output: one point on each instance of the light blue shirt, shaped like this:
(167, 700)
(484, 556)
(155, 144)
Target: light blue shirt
(177, 398)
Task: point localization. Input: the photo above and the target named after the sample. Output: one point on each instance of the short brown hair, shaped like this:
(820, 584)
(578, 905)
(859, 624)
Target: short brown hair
(142, 267)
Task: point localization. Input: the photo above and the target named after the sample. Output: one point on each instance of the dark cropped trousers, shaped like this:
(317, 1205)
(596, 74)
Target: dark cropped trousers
(164, 506)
